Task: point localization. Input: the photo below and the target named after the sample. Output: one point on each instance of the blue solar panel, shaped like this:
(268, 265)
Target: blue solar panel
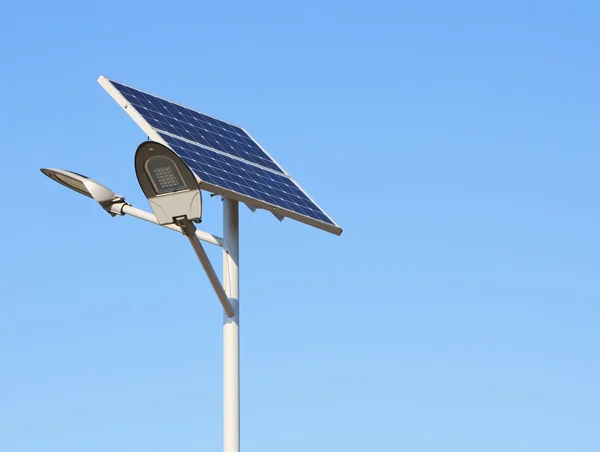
(224, 157)
(195, 126)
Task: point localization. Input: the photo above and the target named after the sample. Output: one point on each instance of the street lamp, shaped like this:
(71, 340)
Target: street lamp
(228, 162)
(173, 193)
(112, 203)
(85, 186)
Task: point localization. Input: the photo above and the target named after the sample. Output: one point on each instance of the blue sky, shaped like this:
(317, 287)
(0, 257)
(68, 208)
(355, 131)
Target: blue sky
(455, 142)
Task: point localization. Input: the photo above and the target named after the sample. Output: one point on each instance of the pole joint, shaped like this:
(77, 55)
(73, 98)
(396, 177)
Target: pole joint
(187, 227)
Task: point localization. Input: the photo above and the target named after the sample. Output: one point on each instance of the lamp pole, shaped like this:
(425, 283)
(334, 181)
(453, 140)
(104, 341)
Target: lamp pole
(231, 328)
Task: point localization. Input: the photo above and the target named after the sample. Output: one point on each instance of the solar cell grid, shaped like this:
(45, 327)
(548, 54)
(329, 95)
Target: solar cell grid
(195, 126)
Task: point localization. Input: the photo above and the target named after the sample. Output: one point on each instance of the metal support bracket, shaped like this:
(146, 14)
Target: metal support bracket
(123, 208)
(189, 230)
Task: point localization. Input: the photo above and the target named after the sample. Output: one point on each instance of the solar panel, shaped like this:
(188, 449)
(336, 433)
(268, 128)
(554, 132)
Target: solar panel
(224, 157)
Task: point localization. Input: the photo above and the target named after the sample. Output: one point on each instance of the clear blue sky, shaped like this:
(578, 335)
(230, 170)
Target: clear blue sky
(457, 144)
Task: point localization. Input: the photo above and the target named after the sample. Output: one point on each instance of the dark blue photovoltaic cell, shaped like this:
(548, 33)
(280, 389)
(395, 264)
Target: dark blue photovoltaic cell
(218, 169)
(195, 126)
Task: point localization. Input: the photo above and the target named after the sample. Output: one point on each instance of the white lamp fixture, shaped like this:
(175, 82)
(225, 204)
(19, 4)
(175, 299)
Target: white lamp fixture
(85, 186)
(168, 183)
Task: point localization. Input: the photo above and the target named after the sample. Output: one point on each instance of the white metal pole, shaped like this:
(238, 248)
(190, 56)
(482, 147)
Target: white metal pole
(231, 329)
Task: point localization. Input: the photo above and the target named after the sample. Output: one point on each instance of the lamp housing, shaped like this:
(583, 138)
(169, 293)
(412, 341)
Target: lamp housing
(169, 184)
(84, 186)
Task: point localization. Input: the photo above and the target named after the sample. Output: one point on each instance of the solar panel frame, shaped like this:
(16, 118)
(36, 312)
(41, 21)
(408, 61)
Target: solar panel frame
(278, 211)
